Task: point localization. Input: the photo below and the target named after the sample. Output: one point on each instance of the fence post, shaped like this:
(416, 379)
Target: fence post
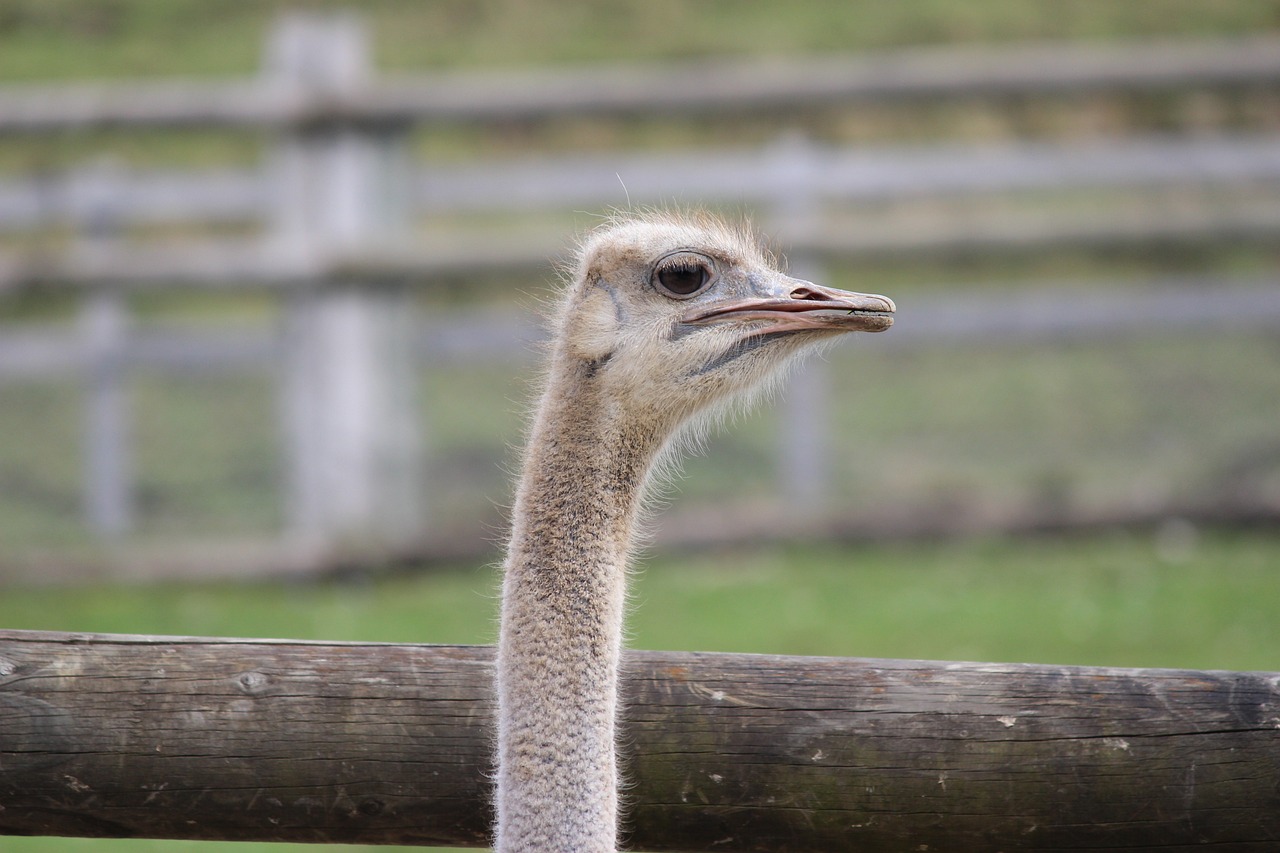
(108, 462)
(803, 425)
(104, 327)
(349, 403)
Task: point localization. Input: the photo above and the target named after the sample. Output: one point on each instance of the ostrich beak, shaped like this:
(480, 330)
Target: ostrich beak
(803, 306)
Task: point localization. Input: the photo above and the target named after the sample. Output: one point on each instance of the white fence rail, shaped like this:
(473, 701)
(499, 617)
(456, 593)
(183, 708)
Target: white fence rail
(334, 201)
(1061, 313)
(351, 95)
(93, 199)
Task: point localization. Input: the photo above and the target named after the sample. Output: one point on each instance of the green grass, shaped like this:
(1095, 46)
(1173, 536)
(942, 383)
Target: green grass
(1163, 599)
(1168, 598)
(95, 845)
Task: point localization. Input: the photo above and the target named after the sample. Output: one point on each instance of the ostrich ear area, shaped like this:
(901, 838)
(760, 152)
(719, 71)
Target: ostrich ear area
(592, 334)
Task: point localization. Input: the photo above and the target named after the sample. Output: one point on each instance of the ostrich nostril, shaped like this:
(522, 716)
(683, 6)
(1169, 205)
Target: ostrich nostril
(806, 293)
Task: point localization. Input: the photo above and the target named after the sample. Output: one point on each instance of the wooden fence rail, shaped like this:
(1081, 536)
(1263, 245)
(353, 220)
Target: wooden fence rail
(1047, 314)
(701, 88)
(86, 198)
(126, 736)
(238, 264)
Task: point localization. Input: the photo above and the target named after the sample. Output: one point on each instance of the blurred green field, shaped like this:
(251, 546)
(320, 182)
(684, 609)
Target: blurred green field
(1171, 597)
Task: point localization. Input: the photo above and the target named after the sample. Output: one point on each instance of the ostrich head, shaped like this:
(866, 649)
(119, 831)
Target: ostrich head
(669, 315)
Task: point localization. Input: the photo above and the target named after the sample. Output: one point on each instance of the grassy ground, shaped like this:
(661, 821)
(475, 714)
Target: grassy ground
(1174, 597)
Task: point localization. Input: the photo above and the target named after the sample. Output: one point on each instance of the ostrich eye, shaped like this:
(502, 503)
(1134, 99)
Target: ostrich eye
(682, 277)
(683, 280)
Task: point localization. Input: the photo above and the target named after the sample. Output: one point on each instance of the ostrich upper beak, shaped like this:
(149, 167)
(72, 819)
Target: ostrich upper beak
(805, 306)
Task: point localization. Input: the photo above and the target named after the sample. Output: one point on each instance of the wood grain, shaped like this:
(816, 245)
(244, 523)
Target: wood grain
(121, 736)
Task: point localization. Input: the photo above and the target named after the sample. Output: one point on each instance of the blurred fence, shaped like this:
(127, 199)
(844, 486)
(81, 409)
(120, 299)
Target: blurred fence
(328, 223)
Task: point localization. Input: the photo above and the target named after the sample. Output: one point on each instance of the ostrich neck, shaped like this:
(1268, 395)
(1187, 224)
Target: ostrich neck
(561, 634)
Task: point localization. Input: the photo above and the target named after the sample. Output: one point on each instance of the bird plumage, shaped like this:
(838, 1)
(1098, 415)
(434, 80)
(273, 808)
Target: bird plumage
(663, 317)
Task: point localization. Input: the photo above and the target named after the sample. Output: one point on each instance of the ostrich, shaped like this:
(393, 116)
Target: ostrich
(665, 317)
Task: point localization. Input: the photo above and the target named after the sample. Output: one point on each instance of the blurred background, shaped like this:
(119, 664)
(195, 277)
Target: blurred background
(271, 277)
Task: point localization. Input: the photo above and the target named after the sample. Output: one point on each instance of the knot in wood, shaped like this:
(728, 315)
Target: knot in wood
(253, 683)
(371, 807)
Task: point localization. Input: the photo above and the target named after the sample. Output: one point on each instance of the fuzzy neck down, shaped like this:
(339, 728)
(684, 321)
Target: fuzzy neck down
(563, 598)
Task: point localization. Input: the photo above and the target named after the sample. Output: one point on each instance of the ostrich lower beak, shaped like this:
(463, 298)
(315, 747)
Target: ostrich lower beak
(808, 307)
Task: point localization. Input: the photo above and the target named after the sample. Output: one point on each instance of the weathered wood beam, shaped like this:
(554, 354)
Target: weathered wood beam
(253, 264)
(725, 86)
(122, 736)
(1033, 312)
(91, 197)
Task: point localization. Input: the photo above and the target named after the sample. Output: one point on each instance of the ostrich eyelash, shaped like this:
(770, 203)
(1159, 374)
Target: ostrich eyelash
(680, 267)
